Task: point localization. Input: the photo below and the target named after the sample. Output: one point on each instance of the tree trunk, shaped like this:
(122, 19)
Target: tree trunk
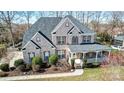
(12, 36)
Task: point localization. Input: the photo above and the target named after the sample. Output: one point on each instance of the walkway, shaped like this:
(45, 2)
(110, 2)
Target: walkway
(28, 77)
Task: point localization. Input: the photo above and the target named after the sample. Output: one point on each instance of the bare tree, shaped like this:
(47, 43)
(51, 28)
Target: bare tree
(116, 19)
(70, 12)
(28, 15)
(8, 17)
(59, 13)
(89, 14)
(96, 20)
(39, 14)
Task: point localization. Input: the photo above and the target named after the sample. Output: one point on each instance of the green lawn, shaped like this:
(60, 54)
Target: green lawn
(93, 74)
(2, 46)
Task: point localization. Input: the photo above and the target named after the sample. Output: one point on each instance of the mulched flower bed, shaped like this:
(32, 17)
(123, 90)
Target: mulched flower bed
(59, 68)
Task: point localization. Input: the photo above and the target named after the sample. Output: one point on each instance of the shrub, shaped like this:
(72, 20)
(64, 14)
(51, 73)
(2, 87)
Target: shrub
(45, 65)
(21, 68)
(4, 67)
(84, 62)
(28, 67)
(53, 59)
(3, 74)
(12, 68)
(3, 50)
(37, 61)
(19, 62)
(72, 63)
(53, 68)
(96, 64)
(36, 68)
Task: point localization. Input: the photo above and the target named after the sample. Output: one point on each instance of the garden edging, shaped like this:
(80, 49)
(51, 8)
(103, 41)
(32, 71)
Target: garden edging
(77, 72)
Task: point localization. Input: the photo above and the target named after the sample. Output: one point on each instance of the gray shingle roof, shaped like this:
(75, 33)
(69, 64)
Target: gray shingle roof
(121, 38)
(88, 48)
(46, 26)
(80, 26)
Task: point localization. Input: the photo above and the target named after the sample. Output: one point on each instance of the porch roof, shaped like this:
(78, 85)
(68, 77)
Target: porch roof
(121, 38)
(88, 48)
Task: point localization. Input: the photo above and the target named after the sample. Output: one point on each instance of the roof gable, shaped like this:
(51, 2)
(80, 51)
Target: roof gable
(44, 25)
(31, 41)
(46, 38)
(76, 23)
(79, 25)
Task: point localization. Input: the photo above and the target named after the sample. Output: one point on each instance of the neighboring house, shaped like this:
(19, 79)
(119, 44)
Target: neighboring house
(66, 37)
(118, 42)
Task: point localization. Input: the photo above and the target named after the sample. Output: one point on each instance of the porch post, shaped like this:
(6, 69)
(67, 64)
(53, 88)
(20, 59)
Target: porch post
(109, 55)
(101, 53)
(84, 54)
(97, 55)
(71, 55)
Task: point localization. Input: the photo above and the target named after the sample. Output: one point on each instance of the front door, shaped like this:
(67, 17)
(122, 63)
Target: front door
(46, 55)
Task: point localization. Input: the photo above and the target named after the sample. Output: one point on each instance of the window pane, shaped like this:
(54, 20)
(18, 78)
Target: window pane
(58, 38)
(61, 54)
(84, 39)
(88, 39)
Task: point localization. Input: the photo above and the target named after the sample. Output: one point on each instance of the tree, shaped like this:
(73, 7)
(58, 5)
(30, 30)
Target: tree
(28, 15)
(116, 19)
(70, 12)
(89, 14)
(105, 38)
(8, 17)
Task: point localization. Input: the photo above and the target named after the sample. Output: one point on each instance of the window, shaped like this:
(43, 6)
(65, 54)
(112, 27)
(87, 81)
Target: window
(61, 54)
(74, 40)
(38, 39)
(33, 54)
(46, 55)
(61, 40)
(67, 24)
(86, 39)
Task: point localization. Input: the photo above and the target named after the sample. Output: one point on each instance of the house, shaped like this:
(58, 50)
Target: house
(118, 42)
(66, 37)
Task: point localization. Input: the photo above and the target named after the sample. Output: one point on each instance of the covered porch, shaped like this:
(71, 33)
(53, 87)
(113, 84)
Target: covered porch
(90, 52)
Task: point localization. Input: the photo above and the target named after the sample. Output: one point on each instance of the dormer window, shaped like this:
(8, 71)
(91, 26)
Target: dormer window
(67, 24)
(38, 39)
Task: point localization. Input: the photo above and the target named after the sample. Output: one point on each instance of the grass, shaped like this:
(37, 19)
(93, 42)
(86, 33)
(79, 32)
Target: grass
(2, 46)
(91, 74)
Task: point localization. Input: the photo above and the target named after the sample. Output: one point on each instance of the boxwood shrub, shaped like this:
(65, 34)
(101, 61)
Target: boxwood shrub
(72, 63)
(53, 59)
(4, 67)
(19, 62)
(37, 61)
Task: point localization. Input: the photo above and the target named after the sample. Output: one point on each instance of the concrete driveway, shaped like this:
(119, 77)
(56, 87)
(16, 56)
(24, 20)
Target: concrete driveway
(17, 55)
(11, 57)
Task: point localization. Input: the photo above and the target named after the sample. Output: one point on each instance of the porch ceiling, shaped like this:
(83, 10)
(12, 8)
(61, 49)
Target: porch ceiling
(88, 48)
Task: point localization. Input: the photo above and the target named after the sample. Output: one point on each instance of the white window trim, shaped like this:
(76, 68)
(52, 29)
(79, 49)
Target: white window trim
(61, 52)
(61, 40)
(87, 39)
